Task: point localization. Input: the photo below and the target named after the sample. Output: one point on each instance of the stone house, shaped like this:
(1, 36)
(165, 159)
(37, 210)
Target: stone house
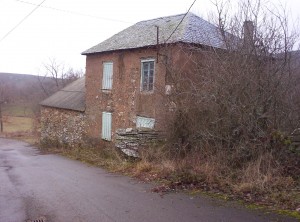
(127, 82)
(63, 117)
(127, 76)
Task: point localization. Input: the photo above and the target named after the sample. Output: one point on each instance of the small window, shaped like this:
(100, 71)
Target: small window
(147, 75)
(107, 75)
(106, 126)
(144, 122)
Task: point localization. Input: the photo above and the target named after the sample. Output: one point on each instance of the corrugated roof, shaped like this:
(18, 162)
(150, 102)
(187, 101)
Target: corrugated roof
(71, 97)
(192, 29)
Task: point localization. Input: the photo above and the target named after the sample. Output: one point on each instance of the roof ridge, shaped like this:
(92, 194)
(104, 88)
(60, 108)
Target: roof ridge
(186, 27)
(163, 17)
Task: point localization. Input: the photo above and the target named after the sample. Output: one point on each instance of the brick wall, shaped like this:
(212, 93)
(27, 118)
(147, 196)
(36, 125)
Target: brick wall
(65, 127)
(125, 101)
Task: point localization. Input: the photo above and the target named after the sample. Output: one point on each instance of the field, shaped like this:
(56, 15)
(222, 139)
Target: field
(17, 110)
(18, 123)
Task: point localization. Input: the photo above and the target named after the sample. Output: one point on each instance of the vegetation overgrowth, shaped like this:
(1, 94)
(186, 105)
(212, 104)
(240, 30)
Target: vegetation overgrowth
(232, 118)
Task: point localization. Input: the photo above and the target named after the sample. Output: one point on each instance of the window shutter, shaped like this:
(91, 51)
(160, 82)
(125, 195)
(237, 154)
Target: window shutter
(107, 75)
(144, 122)
(106, 126)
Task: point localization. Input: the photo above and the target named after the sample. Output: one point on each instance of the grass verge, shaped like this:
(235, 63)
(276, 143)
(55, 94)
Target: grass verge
(106, 157)
(173, 176)
(193, 174)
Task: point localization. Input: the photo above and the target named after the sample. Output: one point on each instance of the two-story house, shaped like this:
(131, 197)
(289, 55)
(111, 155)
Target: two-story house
(127, 74)
(128, 80)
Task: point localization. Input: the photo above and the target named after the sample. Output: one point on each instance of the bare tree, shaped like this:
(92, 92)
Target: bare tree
(60, 76)
(239, 103)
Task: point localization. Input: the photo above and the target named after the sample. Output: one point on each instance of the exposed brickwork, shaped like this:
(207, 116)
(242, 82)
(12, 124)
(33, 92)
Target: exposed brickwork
(65, 127)
(125, 101)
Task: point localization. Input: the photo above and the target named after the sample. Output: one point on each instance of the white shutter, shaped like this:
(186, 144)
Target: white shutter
(144, 122)
(106, 126)
(107, 75)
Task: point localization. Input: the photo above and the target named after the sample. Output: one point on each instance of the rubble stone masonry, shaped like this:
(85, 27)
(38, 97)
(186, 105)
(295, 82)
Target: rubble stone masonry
(61, 126)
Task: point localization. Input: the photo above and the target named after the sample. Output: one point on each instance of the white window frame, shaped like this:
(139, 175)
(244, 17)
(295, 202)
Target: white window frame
(145, 122)
(107, 76)
(142, 75)
(106, 132)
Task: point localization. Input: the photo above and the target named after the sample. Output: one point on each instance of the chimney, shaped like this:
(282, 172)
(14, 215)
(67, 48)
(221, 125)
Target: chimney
(249, 35)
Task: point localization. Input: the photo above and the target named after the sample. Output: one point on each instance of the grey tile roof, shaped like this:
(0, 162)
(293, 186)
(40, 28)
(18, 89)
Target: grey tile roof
(192, 29)
(71, 97)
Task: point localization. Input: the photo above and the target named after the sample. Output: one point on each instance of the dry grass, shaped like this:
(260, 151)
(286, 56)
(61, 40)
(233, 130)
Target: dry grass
(22, 128)
(21, 110)
(14, 124)
(259, 182)
(105, 157)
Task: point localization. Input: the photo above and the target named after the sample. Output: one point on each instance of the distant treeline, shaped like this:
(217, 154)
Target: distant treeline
(29, 90)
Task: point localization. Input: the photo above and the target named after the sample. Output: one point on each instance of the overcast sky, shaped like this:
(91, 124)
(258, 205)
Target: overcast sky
(62, 29)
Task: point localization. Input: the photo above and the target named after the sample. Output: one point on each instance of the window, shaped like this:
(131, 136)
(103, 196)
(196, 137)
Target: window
(106, 126)
(107, 75)
(147, 75)
(144, 122)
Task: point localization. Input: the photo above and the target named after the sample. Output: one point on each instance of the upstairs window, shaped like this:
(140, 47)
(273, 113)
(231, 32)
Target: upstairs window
(107, 75)
(147, 75)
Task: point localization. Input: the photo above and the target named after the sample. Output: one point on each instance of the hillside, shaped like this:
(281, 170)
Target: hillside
(22, 90)
(18, 80)
(16, 88)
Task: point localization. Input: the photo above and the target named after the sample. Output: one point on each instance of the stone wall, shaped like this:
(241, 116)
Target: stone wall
(61, 126)
(129, 140)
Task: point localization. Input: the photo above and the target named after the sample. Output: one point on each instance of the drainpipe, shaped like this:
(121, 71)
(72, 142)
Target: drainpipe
(157, 43)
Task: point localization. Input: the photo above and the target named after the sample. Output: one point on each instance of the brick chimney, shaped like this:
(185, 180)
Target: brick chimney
(248, 35)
